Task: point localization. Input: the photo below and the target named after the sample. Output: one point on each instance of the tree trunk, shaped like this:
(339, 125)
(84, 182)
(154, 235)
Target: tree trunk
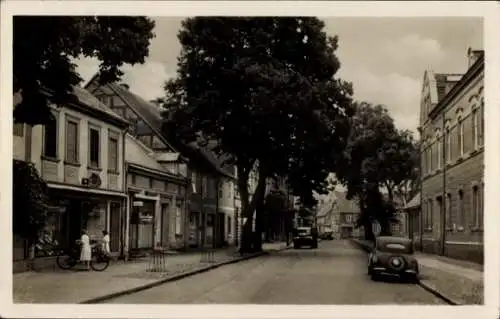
(248, 206)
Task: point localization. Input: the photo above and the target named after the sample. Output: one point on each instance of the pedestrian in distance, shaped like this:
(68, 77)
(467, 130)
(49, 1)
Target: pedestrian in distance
(86, 251)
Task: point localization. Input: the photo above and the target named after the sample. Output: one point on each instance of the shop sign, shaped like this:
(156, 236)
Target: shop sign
(145, 218)
(138, 203)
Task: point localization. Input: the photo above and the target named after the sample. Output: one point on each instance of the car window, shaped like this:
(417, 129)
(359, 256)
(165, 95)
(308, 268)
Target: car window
(303, 231)
(394, 247)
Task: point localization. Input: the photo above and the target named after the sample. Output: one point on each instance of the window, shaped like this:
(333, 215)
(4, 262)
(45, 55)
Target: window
(428, 216)
(475, 206)
(18, 129)
(113, 153)
(475, 133)
(481, 124)
(460, 135)
(72, 142)
(204, 186)
(178, 220)
(231, 190)
(448, 145)
(193, 182)
(461, 210)
(50, 139)
(431, 162)
(439, 147)
(221, 185)
(449, 222)
(94, 147)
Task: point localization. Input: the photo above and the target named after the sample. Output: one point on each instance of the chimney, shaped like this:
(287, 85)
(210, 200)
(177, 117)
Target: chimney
(472, 56)
(125, 86)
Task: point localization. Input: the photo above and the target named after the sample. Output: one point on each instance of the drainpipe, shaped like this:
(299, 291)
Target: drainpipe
(421, 217)
(187, 202)
(445, 197)
(125, 228)
(216, 228)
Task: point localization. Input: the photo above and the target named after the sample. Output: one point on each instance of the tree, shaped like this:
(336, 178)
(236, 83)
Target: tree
(377, 155)
(44, 47)
(29, 201)
(264, 89)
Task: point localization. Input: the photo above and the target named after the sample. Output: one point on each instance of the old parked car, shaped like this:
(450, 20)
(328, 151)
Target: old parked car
(393, 256)
(305, 236)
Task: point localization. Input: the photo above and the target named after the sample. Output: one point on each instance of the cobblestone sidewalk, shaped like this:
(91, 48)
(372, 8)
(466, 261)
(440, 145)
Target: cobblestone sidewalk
(459, 281)
(79, 286)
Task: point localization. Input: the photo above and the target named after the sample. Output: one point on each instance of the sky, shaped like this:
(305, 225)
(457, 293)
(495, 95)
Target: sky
(384, 58)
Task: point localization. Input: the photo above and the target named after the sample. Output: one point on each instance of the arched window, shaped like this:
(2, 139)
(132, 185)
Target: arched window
(481, 123)
(439, 149)
(448, 141)
(460, 132)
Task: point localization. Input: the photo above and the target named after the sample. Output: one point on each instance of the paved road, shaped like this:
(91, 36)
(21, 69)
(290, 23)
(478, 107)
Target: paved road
(335, 273)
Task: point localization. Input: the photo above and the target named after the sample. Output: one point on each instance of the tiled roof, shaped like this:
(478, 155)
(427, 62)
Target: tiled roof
(139, 154)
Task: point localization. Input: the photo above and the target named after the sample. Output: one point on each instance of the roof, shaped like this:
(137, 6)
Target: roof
(153, 119)
(85, 97)
(139, 154)
(443, 80)
(414, 202)
(167, 157)
(344, 205)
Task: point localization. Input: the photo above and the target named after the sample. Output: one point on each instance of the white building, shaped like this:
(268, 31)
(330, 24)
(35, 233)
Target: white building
(81, 157)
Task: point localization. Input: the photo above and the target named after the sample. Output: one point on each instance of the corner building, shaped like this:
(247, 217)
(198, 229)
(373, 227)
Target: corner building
(452, 162)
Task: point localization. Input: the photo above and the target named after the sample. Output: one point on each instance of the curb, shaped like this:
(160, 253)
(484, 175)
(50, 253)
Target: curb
(433, 290)
(175, 278)
(424, 285)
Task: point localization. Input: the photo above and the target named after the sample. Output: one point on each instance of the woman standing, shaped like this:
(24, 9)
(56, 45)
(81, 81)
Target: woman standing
(86, 252)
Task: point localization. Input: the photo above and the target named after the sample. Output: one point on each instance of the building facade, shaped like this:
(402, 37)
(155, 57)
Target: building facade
(210, 199)
(80, 155)
(156, 200)
(346, 214)
(452, 157)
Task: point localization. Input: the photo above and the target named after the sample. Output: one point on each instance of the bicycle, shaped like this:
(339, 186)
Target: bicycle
(70, 258)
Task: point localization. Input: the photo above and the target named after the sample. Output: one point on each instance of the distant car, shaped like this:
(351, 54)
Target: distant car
(305, 236)
(393, 256)
(327, 235)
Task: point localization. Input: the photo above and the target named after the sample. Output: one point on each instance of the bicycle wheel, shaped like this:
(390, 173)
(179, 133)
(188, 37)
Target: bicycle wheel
(99, 262)
(65, 262)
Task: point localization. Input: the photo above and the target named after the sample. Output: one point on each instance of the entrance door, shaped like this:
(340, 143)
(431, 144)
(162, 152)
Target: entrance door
(114, 227)
(221, 234)
(164, 225)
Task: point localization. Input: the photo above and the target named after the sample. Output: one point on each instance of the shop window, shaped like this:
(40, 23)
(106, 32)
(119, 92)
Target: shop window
(18, 129)
(178, 220)
(210, 220)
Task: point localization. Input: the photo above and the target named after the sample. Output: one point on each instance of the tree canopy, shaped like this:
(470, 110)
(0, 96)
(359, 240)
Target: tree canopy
(264, 89)
(44, 47)
(378, 155)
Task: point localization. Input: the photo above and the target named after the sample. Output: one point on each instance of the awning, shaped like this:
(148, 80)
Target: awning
(414, 202)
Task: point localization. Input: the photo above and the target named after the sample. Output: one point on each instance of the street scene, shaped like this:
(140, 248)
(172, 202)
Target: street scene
(243, 160)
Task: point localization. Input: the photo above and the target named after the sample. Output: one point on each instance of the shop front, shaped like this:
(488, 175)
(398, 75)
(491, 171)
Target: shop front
(142, 222)
(70, 212)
